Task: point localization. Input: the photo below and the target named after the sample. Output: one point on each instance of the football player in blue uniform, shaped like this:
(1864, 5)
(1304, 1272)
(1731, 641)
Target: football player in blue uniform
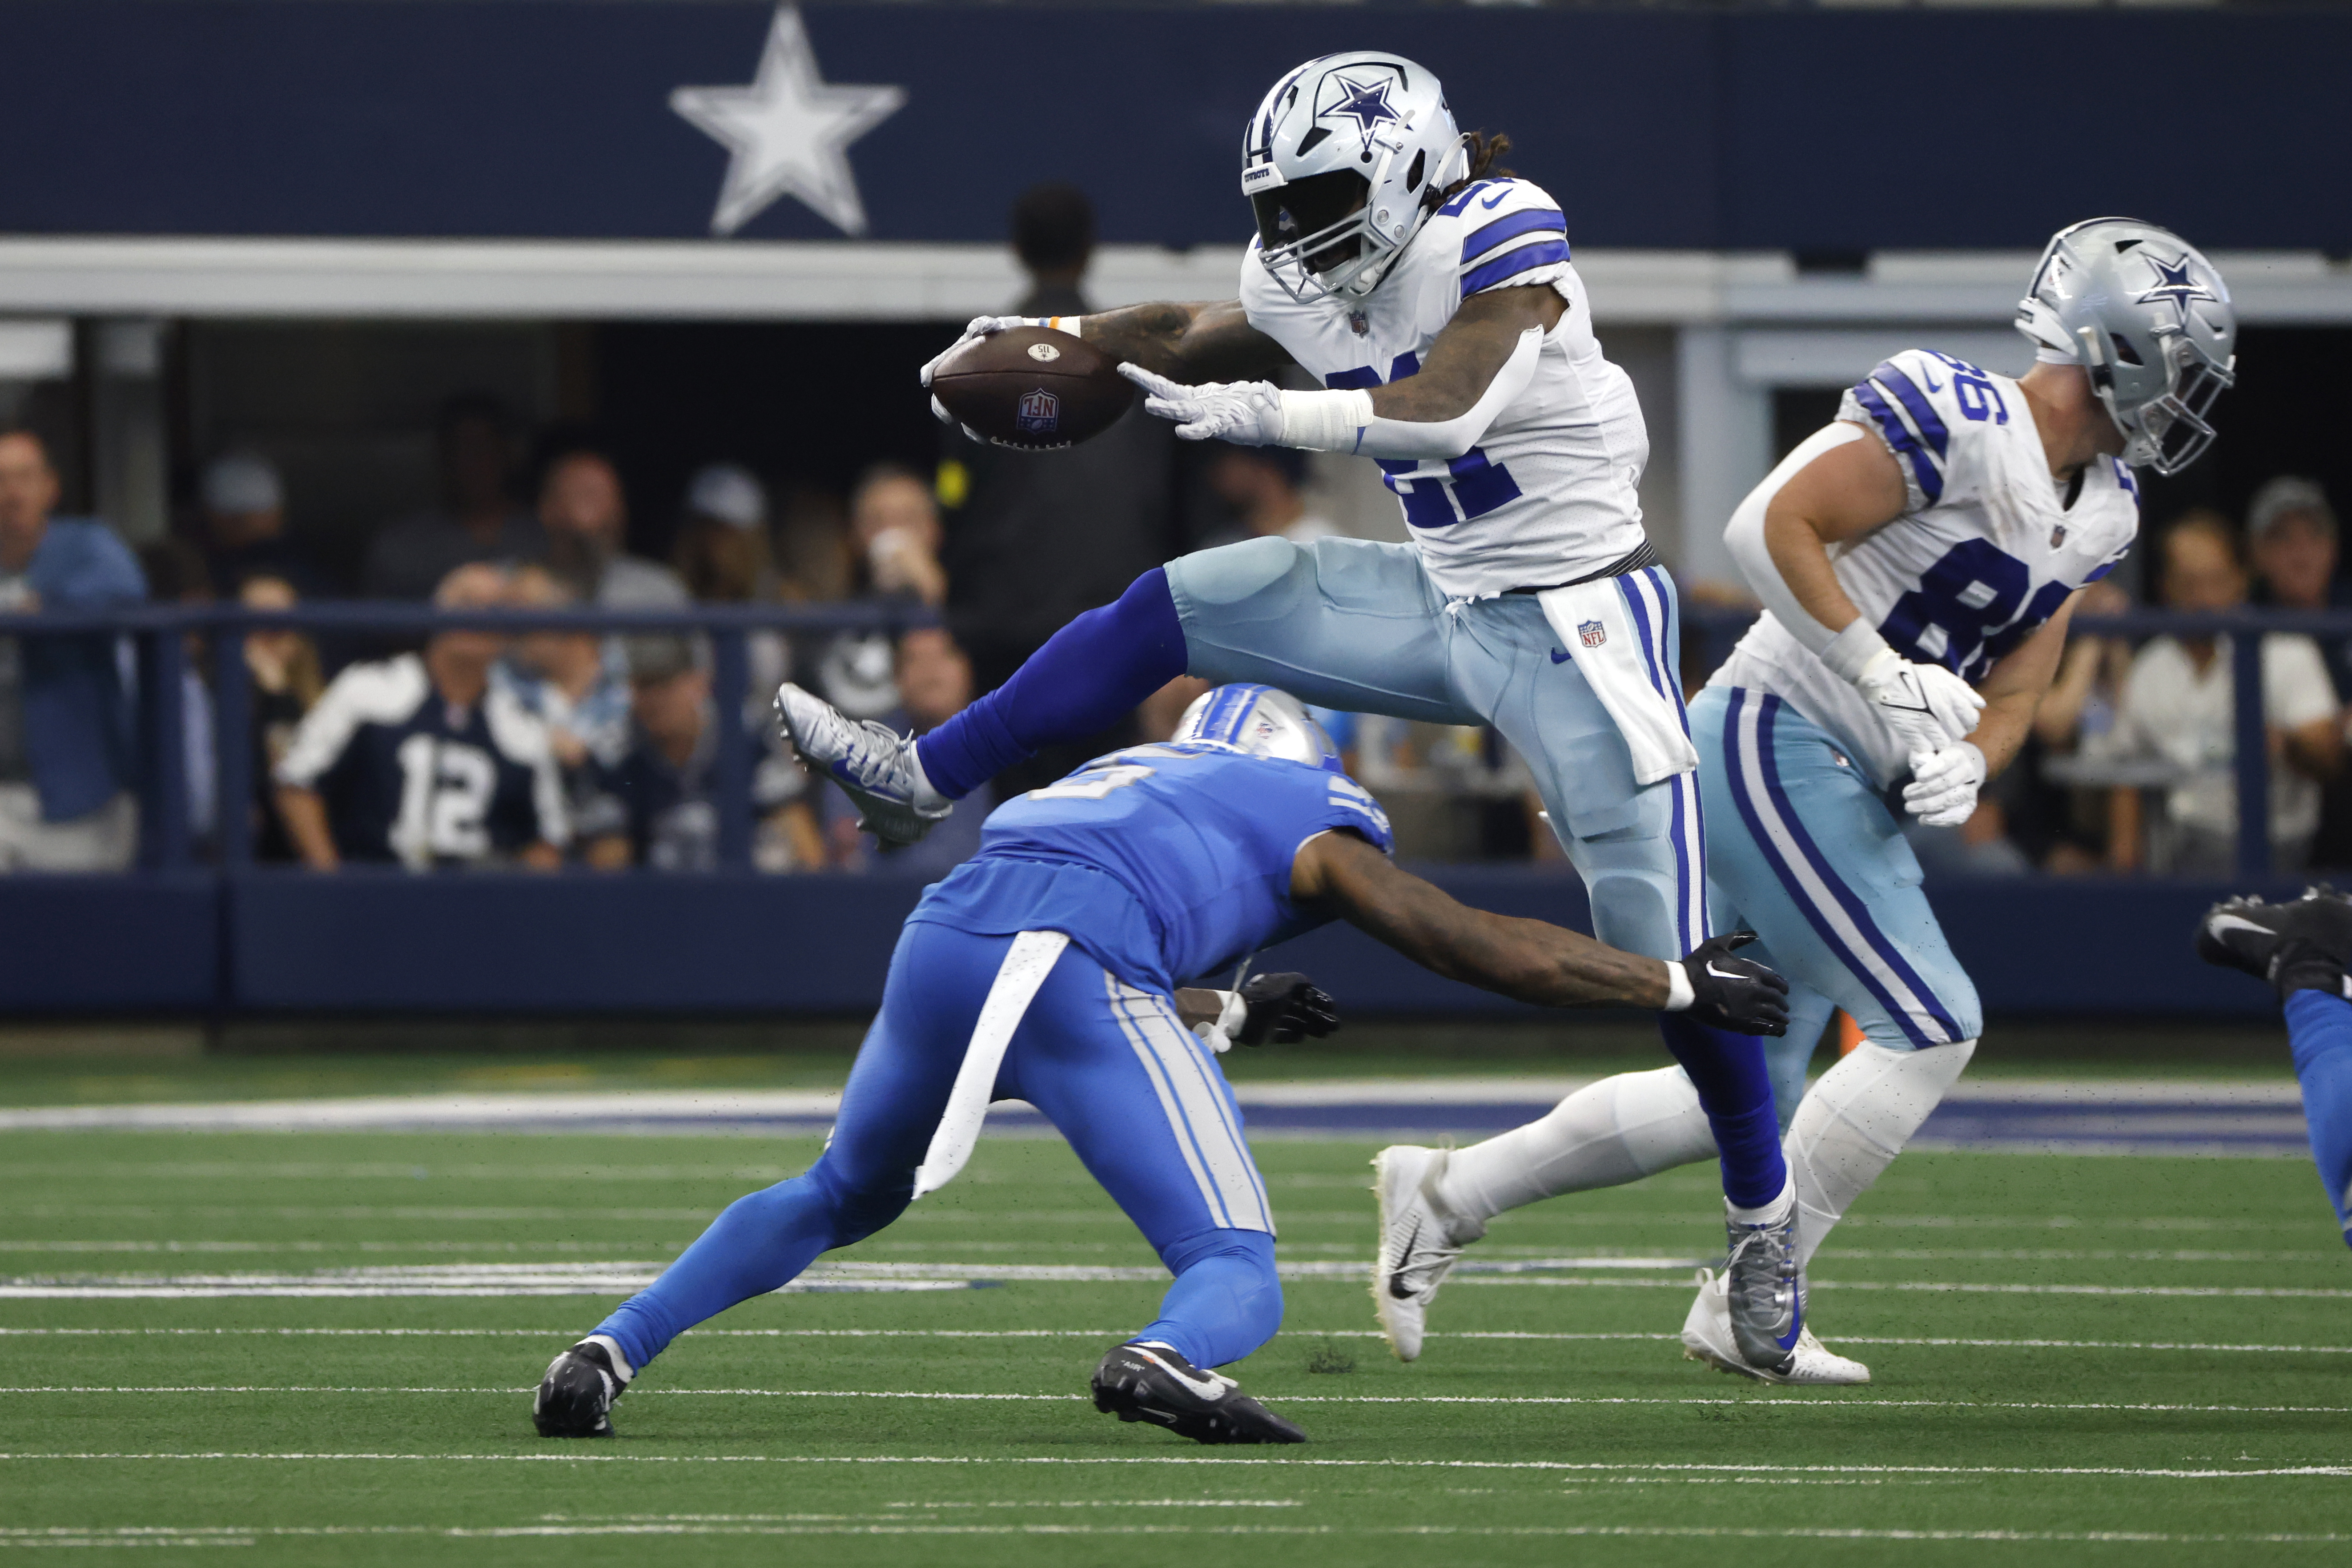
(2301, 948)
(1045, 969)
(1918, 560)
(1432, 297)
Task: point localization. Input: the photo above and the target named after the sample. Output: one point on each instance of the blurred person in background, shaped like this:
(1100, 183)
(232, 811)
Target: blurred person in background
(420, 761)
(283, 666)
(723, 557)
(894, 526)
(660, 804)
(65, 717)
(245, 526)
(933, 685)
(2291, 542)
(176, 575)
(2072, 832)
(811, 548)
(2179, 705)
(573, 682)
(586, 513)
(1260, 484)
(478, 518)
(1098, 512)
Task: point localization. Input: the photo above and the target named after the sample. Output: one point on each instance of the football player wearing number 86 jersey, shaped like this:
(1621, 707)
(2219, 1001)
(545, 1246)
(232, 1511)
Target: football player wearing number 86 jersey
(1432, 297)
(1919, 561)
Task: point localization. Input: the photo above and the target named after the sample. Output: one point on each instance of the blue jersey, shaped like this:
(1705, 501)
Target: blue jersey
(1166, 862)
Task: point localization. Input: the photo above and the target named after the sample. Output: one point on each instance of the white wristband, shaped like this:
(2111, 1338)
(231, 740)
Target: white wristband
(1324, 421)
(1679, 995)
(1851, 651)
(1055, 324)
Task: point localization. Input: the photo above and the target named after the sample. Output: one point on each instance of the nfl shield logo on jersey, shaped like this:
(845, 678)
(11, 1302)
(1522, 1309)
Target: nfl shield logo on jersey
(1593, 633)
(1041, 411)
(2058, 537)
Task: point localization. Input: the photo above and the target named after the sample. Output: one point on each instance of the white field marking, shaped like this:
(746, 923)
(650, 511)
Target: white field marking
(2058, 1254)
(856, 1525)
(1757, 1401)
(703, 1333)
(1553, 1467)
(2285, 1292)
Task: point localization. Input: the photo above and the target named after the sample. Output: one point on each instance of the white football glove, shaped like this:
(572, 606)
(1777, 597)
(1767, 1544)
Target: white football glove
(979, 327)
(1923, 706)
(1943, 789)
(1247, 413)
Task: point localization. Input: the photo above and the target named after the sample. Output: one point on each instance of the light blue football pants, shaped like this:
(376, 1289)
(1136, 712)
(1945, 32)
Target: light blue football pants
(1357, 626)
(1803, 851)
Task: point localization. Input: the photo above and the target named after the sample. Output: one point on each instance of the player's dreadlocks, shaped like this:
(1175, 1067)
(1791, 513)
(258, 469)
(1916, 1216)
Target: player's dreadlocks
(1485, 151)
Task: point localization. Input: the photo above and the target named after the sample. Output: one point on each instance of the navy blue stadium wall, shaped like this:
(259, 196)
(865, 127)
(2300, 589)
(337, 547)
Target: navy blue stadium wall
(1804, 130)
(287, 942)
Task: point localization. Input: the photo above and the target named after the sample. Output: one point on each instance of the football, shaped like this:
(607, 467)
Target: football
(1032, 386)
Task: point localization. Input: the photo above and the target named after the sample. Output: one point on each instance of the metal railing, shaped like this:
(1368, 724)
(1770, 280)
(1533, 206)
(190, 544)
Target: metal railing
(160, 634)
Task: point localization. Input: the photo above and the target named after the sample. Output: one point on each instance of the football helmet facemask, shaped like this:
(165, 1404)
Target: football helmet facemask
(1260, 720)
(1336, 164)
(2149, 318)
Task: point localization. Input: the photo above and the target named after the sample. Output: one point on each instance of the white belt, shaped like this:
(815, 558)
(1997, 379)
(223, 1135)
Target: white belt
(1026, 963)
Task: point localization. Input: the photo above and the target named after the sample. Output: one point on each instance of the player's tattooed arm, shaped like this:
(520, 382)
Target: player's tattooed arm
(1211, 342)
(1468, 354)
(1526, 960)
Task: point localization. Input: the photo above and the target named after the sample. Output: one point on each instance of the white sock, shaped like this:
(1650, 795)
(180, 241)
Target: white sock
(1605, 1134)
(1772, 1213)
(613, 1349)
(1854, 1120)
(927, 795)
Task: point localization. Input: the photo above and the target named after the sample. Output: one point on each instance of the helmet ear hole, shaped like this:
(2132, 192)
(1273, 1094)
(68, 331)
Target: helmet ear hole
(1413, 175)
(2124, 351)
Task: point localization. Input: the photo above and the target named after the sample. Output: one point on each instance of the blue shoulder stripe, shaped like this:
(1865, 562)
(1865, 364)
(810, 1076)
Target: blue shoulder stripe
(1905, 445)
(1484, 240)
(1511, 263)
(1923, 413)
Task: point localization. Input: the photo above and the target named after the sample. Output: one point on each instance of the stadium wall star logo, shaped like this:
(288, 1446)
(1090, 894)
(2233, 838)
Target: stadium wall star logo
(788, 132)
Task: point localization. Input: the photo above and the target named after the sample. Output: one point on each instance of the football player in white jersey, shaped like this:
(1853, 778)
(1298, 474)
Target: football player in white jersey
(1919, 561)
(1433, 299)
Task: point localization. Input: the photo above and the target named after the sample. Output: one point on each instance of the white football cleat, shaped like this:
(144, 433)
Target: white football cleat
(875, 768)
(1706, 1336)
(1417, 1249)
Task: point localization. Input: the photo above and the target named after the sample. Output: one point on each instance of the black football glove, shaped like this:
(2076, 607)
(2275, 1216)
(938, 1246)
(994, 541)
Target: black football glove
(1286, 1008)
(1736, 993)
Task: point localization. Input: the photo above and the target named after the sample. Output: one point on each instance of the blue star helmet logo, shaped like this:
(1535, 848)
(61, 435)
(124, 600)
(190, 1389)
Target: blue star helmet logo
(1365, 105)
(2175, 287)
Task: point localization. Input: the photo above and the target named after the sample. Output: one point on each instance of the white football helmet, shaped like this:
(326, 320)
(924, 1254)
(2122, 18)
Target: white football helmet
(1261, 721)
(1335, 163)
(2147, 316)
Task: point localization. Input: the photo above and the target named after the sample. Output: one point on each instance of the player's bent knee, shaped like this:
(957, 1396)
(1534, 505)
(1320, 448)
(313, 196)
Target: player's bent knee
(1636, 913)
(1236, 574)
(859, 1207)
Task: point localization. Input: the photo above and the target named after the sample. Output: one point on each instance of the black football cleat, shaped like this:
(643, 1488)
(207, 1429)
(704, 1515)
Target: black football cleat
(1152, 1383)
(2300, 945)
(575, 1398)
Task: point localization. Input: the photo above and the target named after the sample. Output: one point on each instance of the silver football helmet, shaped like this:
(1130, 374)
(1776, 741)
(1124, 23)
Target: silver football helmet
(1336, 163)
(1260, 720)
(2147, 316)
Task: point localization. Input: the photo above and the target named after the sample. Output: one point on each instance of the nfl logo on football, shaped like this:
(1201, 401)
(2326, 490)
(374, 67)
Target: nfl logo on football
(1593, 632)
(1039, 411)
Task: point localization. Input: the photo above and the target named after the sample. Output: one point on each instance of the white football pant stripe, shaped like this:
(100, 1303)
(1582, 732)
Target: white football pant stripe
(1200, 1120)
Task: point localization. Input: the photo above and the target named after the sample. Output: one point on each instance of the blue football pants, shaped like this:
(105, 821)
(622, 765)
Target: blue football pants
(1138, 1097)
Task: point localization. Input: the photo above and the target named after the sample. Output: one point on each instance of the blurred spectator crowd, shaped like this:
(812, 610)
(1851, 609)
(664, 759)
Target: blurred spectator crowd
(549, 749)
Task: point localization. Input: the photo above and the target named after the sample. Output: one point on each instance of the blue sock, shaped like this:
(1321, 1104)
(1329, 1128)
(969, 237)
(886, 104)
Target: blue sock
(1736, 1092)
(1227, 1301)
(761, 1242)
(2319, 1027)
(1091, 673)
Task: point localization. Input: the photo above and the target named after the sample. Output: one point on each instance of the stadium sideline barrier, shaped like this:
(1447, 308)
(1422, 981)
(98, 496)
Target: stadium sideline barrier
(222, 936)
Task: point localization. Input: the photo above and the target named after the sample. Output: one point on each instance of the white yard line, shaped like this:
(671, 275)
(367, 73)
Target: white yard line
(1756, 1401)
(1267, 1462)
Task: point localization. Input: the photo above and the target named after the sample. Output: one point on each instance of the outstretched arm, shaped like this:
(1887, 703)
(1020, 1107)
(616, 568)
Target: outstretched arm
(1212, 342)
(1526, 960)
(1482, 360)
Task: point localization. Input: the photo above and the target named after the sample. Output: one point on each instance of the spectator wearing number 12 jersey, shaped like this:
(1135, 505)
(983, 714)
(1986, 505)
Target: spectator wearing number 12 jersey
(420, 761)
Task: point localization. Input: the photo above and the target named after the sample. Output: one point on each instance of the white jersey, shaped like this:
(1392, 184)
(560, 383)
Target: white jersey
(1548, 494)
(1987, 550)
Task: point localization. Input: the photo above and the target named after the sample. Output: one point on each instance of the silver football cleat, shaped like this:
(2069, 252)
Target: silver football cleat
(1707, 1337)
(874, 767)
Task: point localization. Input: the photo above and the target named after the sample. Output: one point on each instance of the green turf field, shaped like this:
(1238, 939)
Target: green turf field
(2078, 1360)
